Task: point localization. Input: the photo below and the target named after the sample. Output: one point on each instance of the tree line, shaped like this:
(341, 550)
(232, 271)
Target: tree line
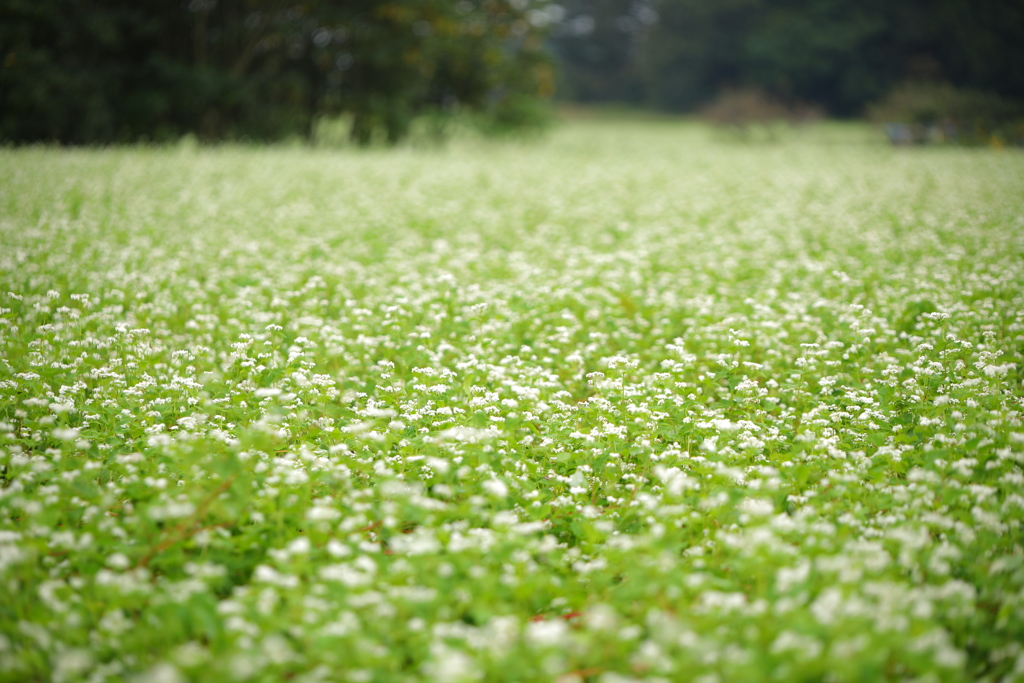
(839, 54)
(123, 70)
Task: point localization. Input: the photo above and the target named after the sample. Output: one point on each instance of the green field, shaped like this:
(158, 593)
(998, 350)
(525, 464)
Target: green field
(633, 403)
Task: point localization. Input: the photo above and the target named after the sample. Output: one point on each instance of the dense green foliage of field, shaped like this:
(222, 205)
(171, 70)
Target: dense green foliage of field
(632, 404)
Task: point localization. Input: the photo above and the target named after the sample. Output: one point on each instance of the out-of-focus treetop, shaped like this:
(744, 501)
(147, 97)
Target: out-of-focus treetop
(837, 54)
(111, 70)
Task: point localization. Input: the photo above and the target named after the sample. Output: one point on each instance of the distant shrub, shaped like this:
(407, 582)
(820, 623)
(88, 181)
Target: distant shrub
(919, 113)
(750, 113)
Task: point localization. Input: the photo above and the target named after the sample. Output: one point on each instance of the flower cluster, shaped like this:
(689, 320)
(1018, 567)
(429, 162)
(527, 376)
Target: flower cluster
(632, 406)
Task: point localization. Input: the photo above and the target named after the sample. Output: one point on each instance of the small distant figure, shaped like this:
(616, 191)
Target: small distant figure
(899, 134)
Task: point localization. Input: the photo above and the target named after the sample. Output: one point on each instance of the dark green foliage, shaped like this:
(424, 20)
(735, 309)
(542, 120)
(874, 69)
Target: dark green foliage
(597, 44)
(941, 113)
(840, 54)
(120, 70)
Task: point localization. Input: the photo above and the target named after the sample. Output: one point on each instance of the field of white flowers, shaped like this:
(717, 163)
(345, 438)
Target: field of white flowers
(631, 404)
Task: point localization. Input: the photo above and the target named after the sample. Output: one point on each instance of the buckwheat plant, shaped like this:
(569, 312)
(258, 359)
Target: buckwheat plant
(630, 405)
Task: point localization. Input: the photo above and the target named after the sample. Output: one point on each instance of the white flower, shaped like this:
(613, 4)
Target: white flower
(337, 549)
(70, 665)
(601, 617)
(267, 574)
(345, 574)
(546, 633)
(495, 487)
(421, 541)
(447, 664)
(118, 561)
(300, 546)
(321, 513)
(757, 507)
(163, 672)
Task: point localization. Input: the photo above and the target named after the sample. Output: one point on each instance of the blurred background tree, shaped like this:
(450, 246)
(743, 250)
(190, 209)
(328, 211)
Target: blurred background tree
(678, 55)
(118, 70)
(122, 70)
